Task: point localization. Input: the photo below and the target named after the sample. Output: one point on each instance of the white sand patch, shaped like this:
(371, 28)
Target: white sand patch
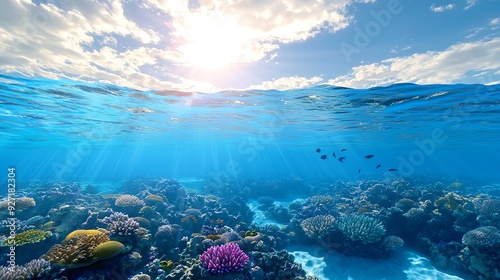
(334, 266)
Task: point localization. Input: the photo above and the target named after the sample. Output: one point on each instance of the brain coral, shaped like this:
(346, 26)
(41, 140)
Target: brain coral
(224, 258)
(83, 248)
(128, 200)
(318, 226)
(393, 242)
(362, 228)
(481, 237)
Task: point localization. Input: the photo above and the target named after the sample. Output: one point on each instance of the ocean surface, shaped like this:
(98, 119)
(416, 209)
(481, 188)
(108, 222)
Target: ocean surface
(67, 132)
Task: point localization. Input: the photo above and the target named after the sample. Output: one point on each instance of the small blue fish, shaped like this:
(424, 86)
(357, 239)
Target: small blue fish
(318, 150)
(378, 166)
(334, 155)
(369, 156)
(341, 159)
(323, 157)
(393, 169)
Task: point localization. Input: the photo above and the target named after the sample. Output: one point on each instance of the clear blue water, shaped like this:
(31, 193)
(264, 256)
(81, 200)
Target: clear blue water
(67, 130)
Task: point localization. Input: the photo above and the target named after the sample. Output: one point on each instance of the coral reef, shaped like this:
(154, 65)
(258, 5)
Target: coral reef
(362, 228)
(120, 224)
(224, 258)
(20, 203)
(318, 226)
(82, 248)
(34, 269)
(127, 200)
(26, 237)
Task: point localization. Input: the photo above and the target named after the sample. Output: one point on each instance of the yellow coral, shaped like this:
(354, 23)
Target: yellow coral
(29, 236)
(107, 250)
(154, 198)
(83, 231)
(82, 248)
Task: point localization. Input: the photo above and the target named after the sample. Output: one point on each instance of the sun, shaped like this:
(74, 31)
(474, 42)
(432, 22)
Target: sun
(212, 42)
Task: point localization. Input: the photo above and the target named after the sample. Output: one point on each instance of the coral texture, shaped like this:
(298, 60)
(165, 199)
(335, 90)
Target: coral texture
(224, 258)
(30, 236)
(362, 228)
(83, 248)
(120, 224)
(32, 270)
(481, 237)
(318, 226)
(128, 200)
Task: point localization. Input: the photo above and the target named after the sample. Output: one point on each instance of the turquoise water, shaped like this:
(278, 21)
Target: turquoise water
(369, 150)
(88, 131)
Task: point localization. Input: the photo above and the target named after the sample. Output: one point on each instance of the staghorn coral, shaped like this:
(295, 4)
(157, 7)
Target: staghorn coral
(128, 200)
(31, 270)
(362, 228)
(318, 226)
(83, 248)
(29, 236)
(224, 258)
(481, 237)
(120, 224)
(21, 203)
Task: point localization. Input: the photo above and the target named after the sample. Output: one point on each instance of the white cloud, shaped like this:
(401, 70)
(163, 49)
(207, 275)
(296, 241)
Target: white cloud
(96, 40)
(443, 8)
(261, 25)
(286, 83)
(470, 3)
(447, 66)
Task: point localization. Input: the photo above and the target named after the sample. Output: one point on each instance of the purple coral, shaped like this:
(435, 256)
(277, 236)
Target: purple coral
(120, 224)
(224, 258)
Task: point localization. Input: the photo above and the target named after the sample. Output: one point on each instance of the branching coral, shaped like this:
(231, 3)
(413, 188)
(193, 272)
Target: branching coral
(320, 200)
(362, 228)
(83, 248)
(120, 224)
(127, 200)
(21, 203)
(30, 236)
(318, 226)
(34, 269)
(224, 258)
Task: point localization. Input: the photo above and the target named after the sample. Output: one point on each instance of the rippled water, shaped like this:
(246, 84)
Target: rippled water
(105, 131)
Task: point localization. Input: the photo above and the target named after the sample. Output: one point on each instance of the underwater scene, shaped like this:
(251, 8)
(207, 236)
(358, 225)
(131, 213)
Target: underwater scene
(107, 182)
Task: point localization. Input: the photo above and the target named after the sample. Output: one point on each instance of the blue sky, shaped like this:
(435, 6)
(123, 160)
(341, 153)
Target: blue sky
(214, 45)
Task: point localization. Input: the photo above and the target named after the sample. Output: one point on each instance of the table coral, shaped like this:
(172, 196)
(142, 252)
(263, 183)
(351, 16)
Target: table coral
(82, 248)
(30, 236)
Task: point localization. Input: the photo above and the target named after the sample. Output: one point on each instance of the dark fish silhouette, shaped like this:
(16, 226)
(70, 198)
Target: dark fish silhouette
(393, 169)
(341, 159)
(359, 170)
(343, 150)
(369, 156)
(378, 166)
(318, 150)
(323, 157)
(334, 155)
